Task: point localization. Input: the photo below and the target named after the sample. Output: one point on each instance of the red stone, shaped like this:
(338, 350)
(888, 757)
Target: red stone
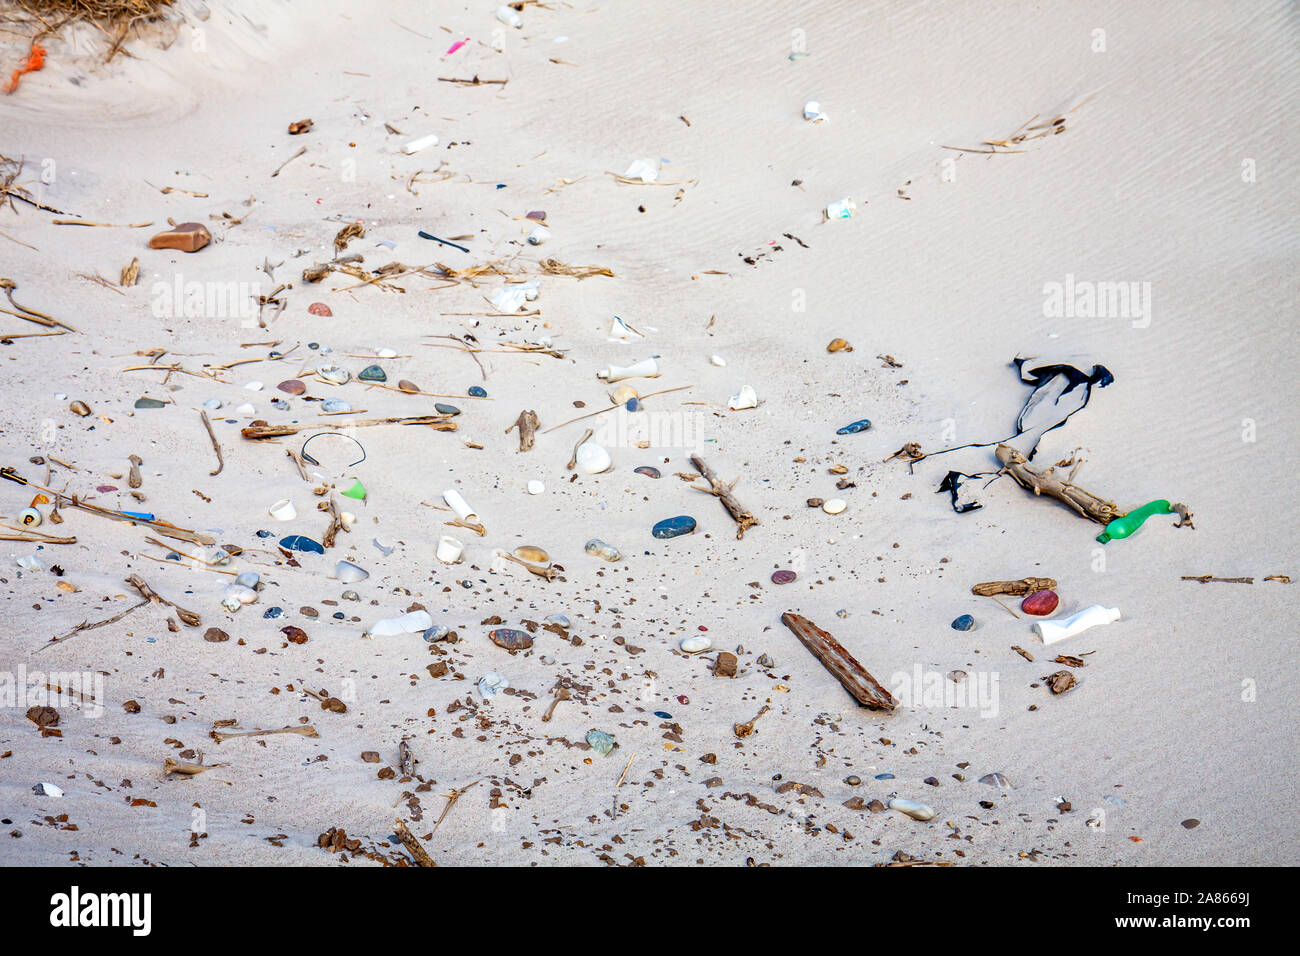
(319, 308)
(1040, 603)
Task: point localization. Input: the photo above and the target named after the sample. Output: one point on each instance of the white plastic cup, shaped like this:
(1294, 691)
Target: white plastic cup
(841, 209)
(283, 510)
(449, 549)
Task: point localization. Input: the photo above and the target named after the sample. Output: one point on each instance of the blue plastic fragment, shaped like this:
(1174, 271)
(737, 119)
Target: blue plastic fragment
(852, 429)
(298, 542)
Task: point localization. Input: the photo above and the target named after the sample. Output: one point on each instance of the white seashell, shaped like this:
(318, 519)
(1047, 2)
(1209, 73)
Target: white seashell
(248, 579)
(620, 331)
(509, 16)
(449, 549)
(834, 506)
(812, 112)
(914, 809)
(538, 236)
(459, 505)
(647, 368)
(1059, 629)
(334, 374)
(347, 519)
(246, 410)
(241, 593)
(424, 142)
(718, 360)
(416, 622)
(513, 297)
(535, 487)
(212, 404)
(996, 779)
(30, 562)
(29, 518)
(745, 398)
(624, 394)
(489, 685)
(349, 573)
(592, 459)
(386, 353)
(695, 644)
(254, 386)
(47, 790)
(646, 170)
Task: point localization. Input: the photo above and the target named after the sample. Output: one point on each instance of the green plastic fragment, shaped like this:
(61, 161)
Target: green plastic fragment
(1125, 525)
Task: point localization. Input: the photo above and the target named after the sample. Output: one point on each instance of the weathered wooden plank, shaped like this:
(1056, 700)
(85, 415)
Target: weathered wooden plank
(864, 688)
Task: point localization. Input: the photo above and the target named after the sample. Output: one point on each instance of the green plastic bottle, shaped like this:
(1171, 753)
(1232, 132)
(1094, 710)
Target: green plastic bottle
(1125, 525)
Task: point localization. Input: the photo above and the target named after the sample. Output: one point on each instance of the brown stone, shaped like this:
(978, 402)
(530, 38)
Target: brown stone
(43, 716)
(370, 756)
(185, 237)
(215, 635)
(294, 635)
(725, 665)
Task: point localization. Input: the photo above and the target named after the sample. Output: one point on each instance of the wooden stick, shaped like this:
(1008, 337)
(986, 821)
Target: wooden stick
(613, 408)
(216, 446)
(187, 617)
(171, 766)
(573, 459)
(288, 161)
(441, 423)
(1018, 588)
(83, 626)
(861, 685)
(743, 517)
(418, 853)
(303, 730)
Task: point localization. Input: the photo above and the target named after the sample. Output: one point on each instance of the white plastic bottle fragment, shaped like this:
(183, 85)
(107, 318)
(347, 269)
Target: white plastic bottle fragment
(509, 16)
(414, 622)
(841, 209)
(1059, 629)
(459, 505)
(424, 142)
(812, 112)
(647, 368)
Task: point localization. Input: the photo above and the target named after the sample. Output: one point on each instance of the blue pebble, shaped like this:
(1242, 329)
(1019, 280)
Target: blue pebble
(964, 623)
(884, 776)
(298, 542)
(858, 426)
(271, 613)
(443, 409)
(672, 527)
(633, 405)
(264, 534)
(662, 715)
(477, 391)
(339, 615)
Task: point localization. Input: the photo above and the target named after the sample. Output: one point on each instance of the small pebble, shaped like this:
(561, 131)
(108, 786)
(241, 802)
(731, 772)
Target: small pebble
(674, 527)
(834, 506)
(964, 623)
(1040, 603)
(477, 391)
(373, 373)
(783, 576)
(854, 427)
(648, 470)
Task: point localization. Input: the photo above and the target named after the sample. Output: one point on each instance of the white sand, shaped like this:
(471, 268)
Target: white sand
(1145, 185)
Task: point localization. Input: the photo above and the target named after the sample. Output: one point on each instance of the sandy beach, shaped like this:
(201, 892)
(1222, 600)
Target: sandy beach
(1091, 184)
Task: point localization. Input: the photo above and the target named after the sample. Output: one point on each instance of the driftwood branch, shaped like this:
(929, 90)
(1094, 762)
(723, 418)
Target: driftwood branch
(861, 685)
(188, 617)
(302, 730)
(441, 423)
(1043, 481)
(413, 846)
(1023, 586)
(743, 517)
(527, 424)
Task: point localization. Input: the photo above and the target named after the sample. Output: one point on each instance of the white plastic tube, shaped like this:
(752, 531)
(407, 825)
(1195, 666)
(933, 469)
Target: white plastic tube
(1060, 628)
(648, 368)
(459, 505)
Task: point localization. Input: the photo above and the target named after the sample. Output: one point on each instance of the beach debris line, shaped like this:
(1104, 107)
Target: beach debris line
(864, 688)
